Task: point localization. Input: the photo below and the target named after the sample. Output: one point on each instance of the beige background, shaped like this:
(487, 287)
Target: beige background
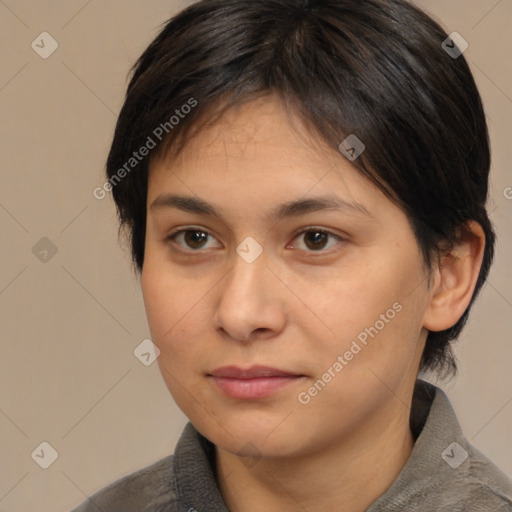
(68, 326)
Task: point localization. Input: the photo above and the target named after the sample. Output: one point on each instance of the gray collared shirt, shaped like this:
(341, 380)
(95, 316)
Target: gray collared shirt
(443, 474)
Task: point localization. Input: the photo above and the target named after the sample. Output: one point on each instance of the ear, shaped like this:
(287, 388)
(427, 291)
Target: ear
(455, 279)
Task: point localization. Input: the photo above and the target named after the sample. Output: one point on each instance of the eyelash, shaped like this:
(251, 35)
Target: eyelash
(172, 237)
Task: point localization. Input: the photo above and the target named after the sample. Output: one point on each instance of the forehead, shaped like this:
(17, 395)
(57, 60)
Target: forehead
(260, 125)
(260, 134)
(260, 148)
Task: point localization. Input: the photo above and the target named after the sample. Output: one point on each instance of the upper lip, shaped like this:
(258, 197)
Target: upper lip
(234, 372)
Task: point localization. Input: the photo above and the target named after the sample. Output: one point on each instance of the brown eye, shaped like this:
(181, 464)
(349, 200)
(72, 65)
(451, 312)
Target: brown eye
(315, 239)
(193, 239)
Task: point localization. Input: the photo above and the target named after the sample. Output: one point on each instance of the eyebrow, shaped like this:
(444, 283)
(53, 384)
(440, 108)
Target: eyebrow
(288, 209)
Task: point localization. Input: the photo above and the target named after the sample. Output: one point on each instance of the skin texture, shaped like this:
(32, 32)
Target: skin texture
(293, 308)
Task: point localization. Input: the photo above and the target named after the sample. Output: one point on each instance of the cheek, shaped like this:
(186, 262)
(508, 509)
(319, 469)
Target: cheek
(178, 318)
(158, 301)
(371, 314)
(173, 308)
(350, 300)
(166, 302)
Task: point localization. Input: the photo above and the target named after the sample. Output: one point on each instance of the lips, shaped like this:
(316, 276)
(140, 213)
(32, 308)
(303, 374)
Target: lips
(252, 383)
(234, 372)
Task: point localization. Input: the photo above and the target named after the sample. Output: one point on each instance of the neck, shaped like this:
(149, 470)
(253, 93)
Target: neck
(355, 471)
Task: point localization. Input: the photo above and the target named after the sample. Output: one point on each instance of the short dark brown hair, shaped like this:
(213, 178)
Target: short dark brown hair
(375, 68)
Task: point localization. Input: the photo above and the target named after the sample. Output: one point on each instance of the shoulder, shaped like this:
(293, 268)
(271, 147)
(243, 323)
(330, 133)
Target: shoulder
(488, 487)
(477, 485)
(445, 472)
(473, 478)
(460, 477)
(168, 485)
(148, 489)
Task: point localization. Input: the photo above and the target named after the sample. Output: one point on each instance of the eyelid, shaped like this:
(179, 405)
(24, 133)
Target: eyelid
(338, 237)
(171, 236)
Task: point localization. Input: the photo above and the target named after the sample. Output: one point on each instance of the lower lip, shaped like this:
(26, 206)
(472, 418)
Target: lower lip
(252, 388)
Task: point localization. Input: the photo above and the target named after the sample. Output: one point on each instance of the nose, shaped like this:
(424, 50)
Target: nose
(250, 304)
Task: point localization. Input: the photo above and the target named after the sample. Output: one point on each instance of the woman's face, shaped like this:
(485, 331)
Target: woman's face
(284, 257)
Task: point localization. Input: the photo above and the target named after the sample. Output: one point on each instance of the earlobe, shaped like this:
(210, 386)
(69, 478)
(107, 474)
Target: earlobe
(457, 274)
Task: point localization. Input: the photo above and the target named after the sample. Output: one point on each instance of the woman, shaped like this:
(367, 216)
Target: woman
(304, 186)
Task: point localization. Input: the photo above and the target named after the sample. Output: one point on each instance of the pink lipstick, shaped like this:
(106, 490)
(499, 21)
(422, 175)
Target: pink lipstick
(251, 383)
